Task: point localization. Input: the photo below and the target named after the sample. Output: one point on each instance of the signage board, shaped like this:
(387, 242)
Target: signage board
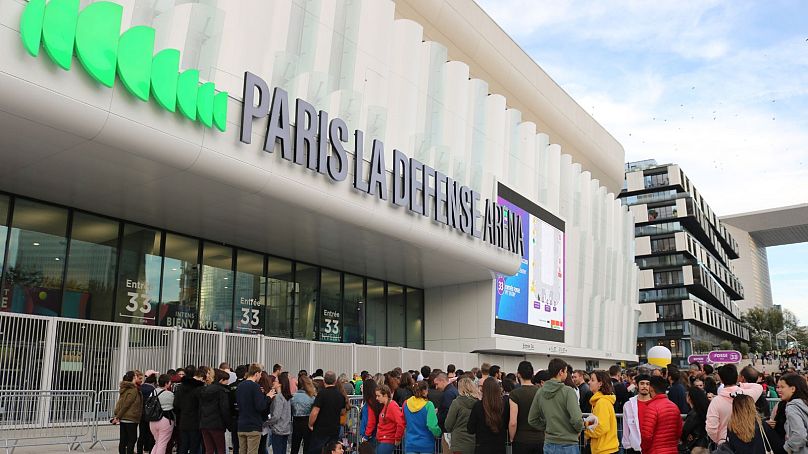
(701, 359)
(724, 356)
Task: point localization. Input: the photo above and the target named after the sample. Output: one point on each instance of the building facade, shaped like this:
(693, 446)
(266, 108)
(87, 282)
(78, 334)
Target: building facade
(688, 288)
(318, 171)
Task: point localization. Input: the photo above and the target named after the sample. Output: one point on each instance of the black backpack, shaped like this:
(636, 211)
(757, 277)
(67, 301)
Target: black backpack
(153, 410)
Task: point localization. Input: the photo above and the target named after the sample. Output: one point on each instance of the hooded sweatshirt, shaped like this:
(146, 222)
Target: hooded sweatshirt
(422, 425)
(721, 409)
(129, 407)
(603, 437)
(797, 427)
(556, 411)
(457, 424)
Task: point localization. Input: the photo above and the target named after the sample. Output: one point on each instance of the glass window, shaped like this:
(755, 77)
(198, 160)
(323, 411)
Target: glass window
(138, 276)
(395, 316)
(178, 301)
(281, 298)
(90, 285)
(4, 202)
(306, 278)
(36, 257)
(354, 308)
(415, 318)
(251, 298)
(376, 313)
(216, 291)
(330, 320)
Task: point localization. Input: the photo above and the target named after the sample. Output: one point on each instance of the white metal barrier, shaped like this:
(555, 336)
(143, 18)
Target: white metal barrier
(40, 418)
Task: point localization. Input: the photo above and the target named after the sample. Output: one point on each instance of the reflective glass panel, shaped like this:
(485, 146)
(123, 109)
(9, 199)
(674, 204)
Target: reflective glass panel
(248, 315)
(395, 316)
(415, 318)
(36, 257)
(4, 201)
(90, 285)
(307, 278)
(178, 304)
(216, 292)
(281, 298)
(138, 276)
(376, 314)
(330, 329)
(354, 309)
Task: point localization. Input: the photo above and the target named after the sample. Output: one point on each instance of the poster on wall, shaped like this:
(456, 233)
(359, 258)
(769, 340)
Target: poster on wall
(531, 302)
(330, 329)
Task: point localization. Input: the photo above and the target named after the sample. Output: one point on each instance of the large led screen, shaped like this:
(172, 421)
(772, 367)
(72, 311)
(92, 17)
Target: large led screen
(531, 302)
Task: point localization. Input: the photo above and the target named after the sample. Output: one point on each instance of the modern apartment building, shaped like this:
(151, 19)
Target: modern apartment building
(688, 288)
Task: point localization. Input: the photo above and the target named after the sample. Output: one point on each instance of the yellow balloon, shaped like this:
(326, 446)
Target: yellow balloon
(659, 356)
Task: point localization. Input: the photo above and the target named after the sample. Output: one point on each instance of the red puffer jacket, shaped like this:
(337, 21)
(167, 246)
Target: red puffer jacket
(661, 426)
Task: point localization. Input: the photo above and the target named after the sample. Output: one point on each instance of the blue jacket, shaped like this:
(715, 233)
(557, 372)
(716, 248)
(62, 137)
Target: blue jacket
(422, 425)
(363, 419)
(253, 406)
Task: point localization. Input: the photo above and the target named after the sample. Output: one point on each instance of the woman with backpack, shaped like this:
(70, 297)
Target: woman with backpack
(794, 394)
(161, 423)
(214, 413)
(694, 432)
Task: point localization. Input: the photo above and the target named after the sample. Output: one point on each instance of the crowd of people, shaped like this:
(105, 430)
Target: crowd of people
(480, 411)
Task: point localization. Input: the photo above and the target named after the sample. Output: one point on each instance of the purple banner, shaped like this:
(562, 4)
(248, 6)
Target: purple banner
(725, 356)
(701, 359)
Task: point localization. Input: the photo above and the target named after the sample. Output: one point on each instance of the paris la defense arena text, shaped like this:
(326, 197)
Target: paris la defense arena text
(352, 173)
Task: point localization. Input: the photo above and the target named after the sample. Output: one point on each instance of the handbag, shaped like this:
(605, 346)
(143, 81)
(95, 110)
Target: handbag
(766, 445)
(366, 447)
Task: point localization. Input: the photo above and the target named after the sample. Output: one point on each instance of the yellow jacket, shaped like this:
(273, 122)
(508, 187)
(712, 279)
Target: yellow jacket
(603, 437)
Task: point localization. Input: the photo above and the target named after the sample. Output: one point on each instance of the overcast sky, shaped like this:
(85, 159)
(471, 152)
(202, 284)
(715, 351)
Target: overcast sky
(718, 87)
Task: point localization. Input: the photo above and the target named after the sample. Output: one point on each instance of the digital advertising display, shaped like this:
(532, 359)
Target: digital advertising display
(531, 303)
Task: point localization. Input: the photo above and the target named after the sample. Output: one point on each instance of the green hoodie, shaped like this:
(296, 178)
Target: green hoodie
(555, 410)
(457, 422)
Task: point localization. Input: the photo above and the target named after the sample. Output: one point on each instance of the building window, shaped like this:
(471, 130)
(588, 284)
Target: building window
(354, 308)
(663, 245)
(662, 278)
(415, 318)
(90, 285)
(281, 294)
(251, 297)
(36, 258)
(376, 313)
(395, 316)
(178, 301)
(330, 316)
(216, 292)
(139, 268)
(655, 181)
(307, 293)
(4, 205)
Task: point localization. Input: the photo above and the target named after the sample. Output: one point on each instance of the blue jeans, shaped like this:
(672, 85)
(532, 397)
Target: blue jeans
(279, 443)
(385, 448)
(552, 448)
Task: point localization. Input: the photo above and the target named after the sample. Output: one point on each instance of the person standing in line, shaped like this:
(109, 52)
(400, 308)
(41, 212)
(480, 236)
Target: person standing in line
(746, 433)
(252, 407)
(388, 426)
(461, 440)
(602, 435)
(633, 412)
(369, 414)
(214, 412)
(328, 407)
(720, 408)
(267, 385)
(404, 390)
(620, 391)
(302, 401)
(677, 392)
(793, 391)
(186, 402)
(128, 411)
(582, 388)
(694, 433)
(525, 439)
(421, 421)
(280, 420)
(661, 425)
(556, 411)
(145, 439)
(162, 429)
(232, 387)
(489, 419)
(449, 394)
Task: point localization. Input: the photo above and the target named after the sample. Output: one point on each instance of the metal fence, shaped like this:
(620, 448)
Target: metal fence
(53, 353)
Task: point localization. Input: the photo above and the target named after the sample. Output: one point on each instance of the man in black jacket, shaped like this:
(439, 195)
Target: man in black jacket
(584, 393)
(252, 407)
(620, 391)
(232, 387)
(186, 406)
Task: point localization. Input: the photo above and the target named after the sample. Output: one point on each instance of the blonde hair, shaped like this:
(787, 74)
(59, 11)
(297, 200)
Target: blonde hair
(744, 418)
(467, 388)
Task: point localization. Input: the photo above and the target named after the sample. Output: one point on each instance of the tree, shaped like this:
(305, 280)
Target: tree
(725, 345)
(744, 348)
(700, 346)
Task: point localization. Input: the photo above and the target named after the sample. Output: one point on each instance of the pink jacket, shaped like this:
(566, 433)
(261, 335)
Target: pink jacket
(721, 409)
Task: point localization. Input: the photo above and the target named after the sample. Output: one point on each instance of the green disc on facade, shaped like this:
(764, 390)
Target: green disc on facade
(204, 103)
(187, 88)
(165, 70)
(59, 30)
(31, 26)
(220, 111)
(135, 60)
(97, 31)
